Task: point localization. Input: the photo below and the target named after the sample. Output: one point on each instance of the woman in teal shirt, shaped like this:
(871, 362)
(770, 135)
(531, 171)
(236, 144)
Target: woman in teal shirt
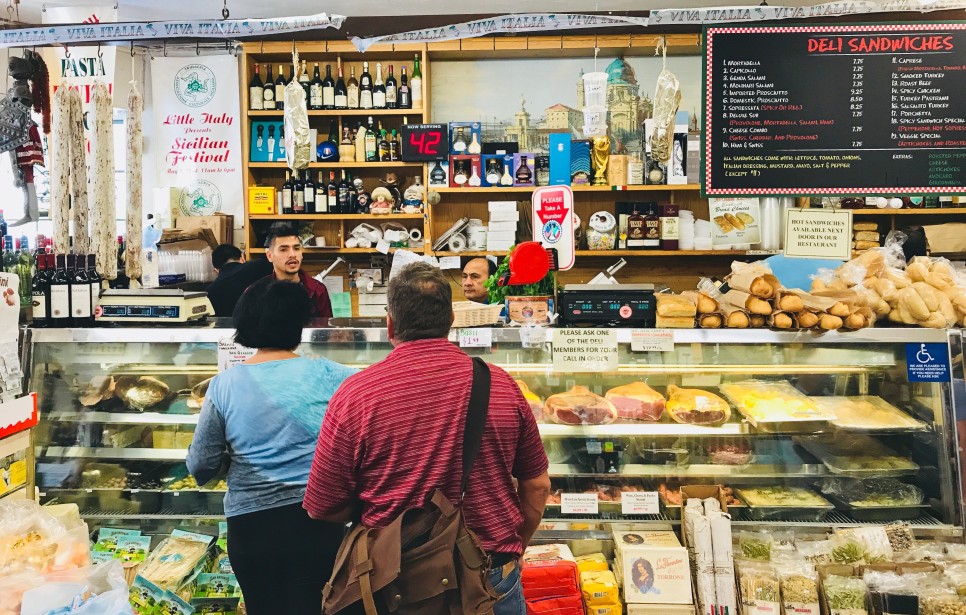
(262, 419)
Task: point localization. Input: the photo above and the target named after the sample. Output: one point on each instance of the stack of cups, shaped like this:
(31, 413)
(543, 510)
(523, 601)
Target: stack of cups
(595, 99)
(702, 235)
(686, 229)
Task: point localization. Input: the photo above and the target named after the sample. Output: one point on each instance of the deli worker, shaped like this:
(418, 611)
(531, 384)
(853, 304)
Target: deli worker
(476, 272)
(283, 248)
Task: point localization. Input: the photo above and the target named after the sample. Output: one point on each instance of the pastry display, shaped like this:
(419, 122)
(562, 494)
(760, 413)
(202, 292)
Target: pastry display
(696, 407)
(763, 402)
(637, 401)
(866, 412)
(579, 406)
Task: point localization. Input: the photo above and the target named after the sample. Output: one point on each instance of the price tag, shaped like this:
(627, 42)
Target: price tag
(578, 503)
(476, 338)
(176, 494)
(89, 490)
(133, 491)
(652, 340)
(533, 336)
(640, 503)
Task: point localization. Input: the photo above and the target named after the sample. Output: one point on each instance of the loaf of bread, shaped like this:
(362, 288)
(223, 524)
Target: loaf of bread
(867, 236)
(865, 245)
(866, 226)
(674, 306)
(674, 322)
(710, 321)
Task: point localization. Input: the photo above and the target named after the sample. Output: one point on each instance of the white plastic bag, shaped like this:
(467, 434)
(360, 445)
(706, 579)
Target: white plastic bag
(298, 146)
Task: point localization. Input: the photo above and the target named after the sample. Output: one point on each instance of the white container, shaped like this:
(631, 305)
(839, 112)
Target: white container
(595, 131)
(595, 89)
(476, 237)
(595, 115)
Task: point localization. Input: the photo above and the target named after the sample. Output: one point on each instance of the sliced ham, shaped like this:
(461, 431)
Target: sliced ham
(637, 401)
(579, 406)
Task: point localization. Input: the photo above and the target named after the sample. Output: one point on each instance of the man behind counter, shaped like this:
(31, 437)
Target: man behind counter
(283, 248)
(234, 276)
(475, 273)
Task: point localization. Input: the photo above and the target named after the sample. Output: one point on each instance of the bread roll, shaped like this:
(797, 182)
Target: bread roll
(737, 320)
(865, 245)
(706, 305)
(791, 303)
(935, 321)
(807, 320)
(917, 271)
(867, 236)
(758, 306)
(865, 226)
(909, 300)
(674, 322)
(735, 222)
(674, 306)
(781, 320)
(830, 323)
(855, 321)
(757, 321)
(761, 288)
(930, 296)
(710, 321)
(839, 309)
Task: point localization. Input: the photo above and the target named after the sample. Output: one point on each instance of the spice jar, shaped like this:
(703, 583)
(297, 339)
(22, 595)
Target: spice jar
(601, 231)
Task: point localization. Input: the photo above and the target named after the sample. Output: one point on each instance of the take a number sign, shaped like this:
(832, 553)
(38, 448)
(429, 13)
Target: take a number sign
(424, 142)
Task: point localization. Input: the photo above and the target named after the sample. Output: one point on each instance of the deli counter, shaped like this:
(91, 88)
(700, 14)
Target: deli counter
(798, 429)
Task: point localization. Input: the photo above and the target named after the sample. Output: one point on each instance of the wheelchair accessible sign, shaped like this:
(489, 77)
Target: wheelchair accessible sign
(927, 362)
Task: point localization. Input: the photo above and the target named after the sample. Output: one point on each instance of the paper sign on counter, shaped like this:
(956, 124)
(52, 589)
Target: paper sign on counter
(231, 354)
(640, 503)
(818, 233)
(652, 340)
(476, 338)
(578, 503)
(584, 350)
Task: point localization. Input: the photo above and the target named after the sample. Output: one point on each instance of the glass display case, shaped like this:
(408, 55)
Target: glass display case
(800, 429)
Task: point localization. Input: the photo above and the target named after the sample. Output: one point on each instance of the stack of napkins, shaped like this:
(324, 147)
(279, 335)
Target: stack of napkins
(501, 232)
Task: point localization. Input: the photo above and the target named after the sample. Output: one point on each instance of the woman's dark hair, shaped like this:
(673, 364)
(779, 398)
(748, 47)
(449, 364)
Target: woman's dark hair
(272, 314)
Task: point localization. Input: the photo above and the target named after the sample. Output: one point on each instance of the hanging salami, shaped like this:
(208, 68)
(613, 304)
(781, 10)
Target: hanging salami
(60, 170)
(78, 175)
(102, 182)
(135, 205)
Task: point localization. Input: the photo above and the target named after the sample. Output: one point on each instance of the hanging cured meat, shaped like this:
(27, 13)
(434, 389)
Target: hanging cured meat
(102, 182)
(78, 176)
(135, 149)
(60, 170)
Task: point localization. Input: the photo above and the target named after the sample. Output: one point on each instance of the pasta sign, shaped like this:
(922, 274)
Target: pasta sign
(199, 134)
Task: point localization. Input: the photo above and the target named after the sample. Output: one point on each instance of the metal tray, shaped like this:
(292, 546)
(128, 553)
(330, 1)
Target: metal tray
(835, 463)
(877, 513)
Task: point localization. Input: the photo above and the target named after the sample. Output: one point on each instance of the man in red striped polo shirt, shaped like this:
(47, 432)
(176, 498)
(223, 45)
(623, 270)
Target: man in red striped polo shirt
(393, 433)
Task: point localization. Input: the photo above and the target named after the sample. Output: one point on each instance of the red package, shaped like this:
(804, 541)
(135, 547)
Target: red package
(567, 605)
(549, 571)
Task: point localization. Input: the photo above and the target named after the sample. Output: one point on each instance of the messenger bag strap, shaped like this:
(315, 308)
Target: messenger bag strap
(475, 419)
(365, 585)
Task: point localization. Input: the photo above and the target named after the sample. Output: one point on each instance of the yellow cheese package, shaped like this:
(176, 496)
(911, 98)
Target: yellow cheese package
(605, 609)
(599, 587)
(592, 562)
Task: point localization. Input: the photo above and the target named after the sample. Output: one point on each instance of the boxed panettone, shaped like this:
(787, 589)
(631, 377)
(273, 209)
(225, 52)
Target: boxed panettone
(549, 571)
(654, 567)
(566, 605)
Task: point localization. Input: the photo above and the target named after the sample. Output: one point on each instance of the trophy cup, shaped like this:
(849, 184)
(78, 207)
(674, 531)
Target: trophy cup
(599, 155)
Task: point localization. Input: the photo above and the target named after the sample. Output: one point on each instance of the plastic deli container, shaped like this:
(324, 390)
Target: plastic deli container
(774, 405)
(595, 89)
(595, 116)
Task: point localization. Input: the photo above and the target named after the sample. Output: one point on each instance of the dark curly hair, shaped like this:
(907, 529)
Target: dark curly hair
(271, 314)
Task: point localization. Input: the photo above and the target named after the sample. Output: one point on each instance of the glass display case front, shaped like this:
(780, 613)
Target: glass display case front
(800, 429)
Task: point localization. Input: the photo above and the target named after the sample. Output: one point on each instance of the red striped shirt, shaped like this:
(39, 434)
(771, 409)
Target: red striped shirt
(394, 432)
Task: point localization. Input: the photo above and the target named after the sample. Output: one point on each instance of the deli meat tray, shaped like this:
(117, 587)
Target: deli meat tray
(866, 413)
(856, 455)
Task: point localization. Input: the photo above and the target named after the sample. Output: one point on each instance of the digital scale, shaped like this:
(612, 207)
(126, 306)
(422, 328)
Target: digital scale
(612, 305)
(153, 305)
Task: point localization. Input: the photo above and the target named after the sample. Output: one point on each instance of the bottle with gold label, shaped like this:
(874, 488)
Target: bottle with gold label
(635, 230)
(652, 228)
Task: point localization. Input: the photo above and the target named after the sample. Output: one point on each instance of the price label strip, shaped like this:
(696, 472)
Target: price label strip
(579, 503)
(476, 338)
(640, 503)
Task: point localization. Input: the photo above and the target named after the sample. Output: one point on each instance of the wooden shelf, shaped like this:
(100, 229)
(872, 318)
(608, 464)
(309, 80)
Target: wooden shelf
(296, 217)
(612, 253)
(501, 190)
(945, 211)
(338, 165)
(341, 112)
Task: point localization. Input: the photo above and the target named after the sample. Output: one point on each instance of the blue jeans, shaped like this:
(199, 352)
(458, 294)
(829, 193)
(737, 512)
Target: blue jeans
(510, 589)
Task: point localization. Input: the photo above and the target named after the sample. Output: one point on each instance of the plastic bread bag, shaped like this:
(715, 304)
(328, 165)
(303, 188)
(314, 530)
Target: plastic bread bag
(799, 588)
(956, 577)
(934, 552)
(298, 146)
(667, 99)
(33, 540)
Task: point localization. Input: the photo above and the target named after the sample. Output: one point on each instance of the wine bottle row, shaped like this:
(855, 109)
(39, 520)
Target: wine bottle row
(328, 93)
(66, 290)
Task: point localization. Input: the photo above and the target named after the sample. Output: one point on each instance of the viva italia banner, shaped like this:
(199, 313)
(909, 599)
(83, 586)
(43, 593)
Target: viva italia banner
(197, 132)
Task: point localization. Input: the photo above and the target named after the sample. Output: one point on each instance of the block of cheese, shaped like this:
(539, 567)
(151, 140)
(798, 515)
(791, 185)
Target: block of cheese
(599, 587)
(549, 571)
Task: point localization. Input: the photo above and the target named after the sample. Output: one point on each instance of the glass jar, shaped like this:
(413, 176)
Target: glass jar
(601, 231)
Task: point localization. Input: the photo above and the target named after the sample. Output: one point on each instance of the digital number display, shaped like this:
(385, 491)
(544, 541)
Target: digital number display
(424, 142)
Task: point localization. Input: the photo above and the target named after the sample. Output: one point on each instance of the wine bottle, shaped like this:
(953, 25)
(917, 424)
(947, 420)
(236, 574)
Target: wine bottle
(405, 96)
(372, 152)
(394, 153)
(328, 89)
(344, 195)
(287, 195)
(255, 87)
(80, 292)
(416, 85)
(341, 97)
(298, 194)
(60, 294)
(38, 292)
(308, 187)
(365, 88)
(524, 175)
(492, 172)
(383, 147)
(268, 92)
(437, 177)
(332, 195)
(459, 141)
(315, 90)
(635, 230)
(352, 89)
(306, 84)
(94, 279)
(379, 89)
(347, 149)
(391, 91)
(280, 84)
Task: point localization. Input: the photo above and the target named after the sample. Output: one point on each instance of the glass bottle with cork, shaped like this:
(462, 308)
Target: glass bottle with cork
(635, 229)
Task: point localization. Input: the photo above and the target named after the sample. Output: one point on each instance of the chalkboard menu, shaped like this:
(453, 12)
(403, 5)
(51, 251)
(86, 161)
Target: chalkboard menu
(823, 110)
